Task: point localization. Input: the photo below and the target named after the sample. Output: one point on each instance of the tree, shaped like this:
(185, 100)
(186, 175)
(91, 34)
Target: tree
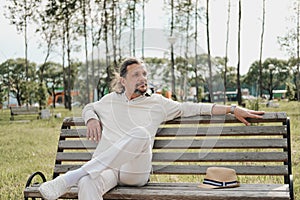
(22, 13)
(196, 16)
(14, 77)
(132, 14)
(293, 68)
(49, 33)
(48, 29)
(183, 68)
(208, 53)
(65, 14)
(291, 43)
(226, 51)
(100, 75)
(239, 93)
(84, 4)
(2, 92)
(275, 74)
(95, 20)
(261, 47)
(73, 76)
(172, 41)
(53, 75)
(143, 28)
(183, 20)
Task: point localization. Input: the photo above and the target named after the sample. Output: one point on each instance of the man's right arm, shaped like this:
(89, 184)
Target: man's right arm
(89, 112)
(92, 122)
(94, 130)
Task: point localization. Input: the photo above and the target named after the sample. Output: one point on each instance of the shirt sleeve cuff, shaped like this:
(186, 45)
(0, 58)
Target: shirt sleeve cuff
(90, 115)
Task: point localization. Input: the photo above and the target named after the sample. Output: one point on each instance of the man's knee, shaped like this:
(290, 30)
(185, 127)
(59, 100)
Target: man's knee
(133, 179)
(93, 188)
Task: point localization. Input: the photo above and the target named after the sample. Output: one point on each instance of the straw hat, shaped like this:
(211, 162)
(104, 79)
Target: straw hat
(220, 177)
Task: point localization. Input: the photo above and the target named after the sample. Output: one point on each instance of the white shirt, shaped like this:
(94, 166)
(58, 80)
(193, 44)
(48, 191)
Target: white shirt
(118, 115)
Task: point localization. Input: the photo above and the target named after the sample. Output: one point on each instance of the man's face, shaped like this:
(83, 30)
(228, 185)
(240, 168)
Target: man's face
(135, 82)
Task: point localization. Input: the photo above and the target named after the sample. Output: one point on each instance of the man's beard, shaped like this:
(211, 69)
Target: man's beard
(140, 91)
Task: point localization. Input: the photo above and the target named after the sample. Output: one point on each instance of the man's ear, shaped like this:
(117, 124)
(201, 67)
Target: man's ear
(122, 81)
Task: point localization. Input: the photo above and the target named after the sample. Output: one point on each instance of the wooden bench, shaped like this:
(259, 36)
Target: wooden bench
(24, 111)
(260, 154)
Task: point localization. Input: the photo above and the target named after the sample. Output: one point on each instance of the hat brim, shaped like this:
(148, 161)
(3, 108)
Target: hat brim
(207, 186)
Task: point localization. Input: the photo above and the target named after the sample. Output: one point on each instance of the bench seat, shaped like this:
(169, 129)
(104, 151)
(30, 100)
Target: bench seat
(24, 111)
(180, 191)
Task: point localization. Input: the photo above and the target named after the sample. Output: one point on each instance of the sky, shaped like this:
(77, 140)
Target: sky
(277, 12)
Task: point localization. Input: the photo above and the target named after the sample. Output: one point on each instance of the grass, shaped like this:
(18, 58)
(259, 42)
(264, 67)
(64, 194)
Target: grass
(30, 145)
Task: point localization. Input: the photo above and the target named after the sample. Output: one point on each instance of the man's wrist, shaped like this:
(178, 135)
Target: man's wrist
(91, 119)
(232, 108)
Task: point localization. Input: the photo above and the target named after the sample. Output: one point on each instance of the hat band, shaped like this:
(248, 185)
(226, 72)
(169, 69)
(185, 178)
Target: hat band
(218, 183)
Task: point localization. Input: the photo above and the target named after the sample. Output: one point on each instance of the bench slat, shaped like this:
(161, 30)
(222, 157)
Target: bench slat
(220, 143)
(199, 131)
(199, 169)
(223, 131)
(187, 191)
(267, 117)
(14, 111)
(193, 157)
(191, 144)
(221, 156)
(242, 170)
(20, 109)
(172, 193)
(25, 113)
(79, 144)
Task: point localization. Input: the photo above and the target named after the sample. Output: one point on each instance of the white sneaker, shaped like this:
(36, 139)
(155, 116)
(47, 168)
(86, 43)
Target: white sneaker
(53, 189)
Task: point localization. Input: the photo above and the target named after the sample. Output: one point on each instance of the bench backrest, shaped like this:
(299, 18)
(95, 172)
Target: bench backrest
(20, 110)
(191, 145)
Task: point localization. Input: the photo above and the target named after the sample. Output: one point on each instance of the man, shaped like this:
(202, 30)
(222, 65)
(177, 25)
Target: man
(124, 124)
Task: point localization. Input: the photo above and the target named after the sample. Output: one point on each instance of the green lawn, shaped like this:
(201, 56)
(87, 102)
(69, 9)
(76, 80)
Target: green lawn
(30, 145)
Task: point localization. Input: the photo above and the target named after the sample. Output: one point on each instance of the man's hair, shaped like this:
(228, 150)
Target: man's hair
(116, 83)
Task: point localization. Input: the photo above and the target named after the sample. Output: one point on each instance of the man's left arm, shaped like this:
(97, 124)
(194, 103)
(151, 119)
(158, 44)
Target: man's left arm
(240, 113)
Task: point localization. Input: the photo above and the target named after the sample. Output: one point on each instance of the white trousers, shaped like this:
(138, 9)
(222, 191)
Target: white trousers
(127, 162)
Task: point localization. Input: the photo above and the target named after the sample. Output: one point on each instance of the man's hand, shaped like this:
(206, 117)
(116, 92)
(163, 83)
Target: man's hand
(241, 114)
(94, 130)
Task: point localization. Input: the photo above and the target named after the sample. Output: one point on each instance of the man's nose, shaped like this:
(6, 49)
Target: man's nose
(143, 77)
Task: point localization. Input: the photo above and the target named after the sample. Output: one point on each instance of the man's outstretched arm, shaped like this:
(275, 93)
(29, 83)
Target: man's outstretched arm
(240, 113)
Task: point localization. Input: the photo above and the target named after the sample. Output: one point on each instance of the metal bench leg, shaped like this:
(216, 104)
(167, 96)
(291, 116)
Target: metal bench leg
(31, 177)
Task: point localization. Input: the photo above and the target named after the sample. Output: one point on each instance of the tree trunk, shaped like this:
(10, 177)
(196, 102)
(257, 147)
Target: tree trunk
(172, 52)
(195, 52)
(226, 51)
(93, 62)
(67, 24)
(63, 66)
(298, 56)
(239, 93)
(83, 7)
(113, 35)
(133, 28)
(69, 98)
(210, 86)
(120, 33)
(107, 60)
(143, 30)
(26, 41)
(261, 49)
